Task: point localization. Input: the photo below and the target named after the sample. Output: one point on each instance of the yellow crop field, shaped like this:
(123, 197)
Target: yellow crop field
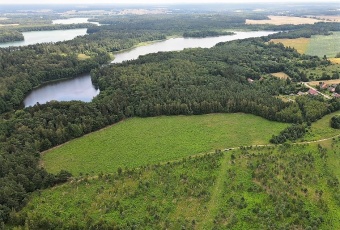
(300, 44)
(283, 20)
(335, 60)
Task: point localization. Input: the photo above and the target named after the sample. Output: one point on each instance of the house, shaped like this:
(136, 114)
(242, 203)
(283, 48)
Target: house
(313, 92)
(323, 86)
(250, 80)
(331, 89)
(300, 93)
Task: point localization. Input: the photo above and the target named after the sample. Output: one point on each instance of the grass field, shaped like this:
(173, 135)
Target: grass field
(83, 56)
(316, 73)
(140, 141)
(283, 187)
(300, 44)
(321, 129)
(321, 45)
(318, 45)
(282, 20)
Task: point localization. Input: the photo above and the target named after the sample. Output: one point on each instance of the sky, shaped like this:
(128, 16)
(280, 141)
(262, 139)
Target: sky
(158, 2)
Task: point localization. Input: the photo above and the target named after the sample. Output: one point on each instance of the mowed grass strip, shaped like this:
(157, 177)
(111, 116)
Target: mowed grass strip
(141, 141)
(300, 44)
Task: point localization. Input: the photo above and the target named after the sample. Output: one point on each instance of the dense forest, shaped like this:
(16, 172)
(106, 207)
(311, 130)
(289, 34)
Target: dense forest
(196, 81)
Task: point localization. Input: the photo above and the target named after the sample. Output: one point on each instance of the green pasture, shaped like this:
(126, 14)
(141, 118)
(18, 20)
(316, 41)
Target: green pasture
(321, 129)
(141, 141)
(321, 45)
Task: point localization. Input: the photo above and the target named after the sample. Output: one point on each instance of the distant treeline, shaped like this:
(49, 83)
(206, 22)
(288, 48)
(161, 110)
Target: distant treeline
(203, 34)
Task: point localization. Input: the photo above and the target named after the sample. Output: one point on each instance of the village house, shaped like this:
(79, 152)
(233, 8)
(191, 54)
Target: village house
(313, 92)
(331, 89)
(323, 86)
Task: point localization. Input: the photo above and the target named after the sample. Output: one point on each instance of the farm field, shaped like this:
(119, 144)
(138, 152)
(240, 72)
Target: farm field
(335, 60)
(300, 44)
(282, 20)
(321, 45)
(239, 189)
(318, 45)
(141, 141)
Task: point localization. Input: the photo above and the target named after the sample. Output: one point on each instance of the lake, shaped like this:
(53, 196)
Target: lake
(35, 37)
(81, 88)
(176, 44)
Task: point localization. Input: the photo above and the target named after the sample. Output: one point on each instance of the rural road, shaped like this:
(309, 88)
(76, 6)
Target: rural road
(311, 87)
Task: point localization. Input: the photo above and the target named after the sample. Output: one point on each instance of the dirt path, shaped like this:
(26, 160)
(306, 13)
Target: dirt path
(311, 87)
(216, 194)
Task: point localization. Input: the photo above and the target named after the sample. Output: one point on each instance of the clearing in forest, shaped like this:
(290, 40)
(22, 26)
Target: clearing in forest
(280, 75)
(321, 129)
(140, 141)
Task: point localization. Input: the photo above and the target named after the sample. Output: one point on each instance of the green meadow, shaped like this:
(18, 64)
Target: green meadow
(321, 129)
(141, 141)
(321, 45)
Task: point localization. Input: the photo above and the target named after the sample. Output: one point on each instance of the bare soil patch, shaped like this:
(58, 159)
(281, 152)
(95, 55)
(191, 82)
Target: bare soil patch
(280, 75)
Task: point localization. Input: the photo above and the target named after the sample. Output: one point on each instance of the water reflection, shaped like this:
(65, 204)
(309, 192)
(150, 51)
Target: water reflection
(36, 37)
(176, 44)
(79, 88)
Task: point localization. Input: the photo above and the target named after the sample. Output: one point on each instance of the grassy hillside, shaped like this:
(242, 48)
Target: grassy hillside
(141, 141)
(284, 187)
(321, 129)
